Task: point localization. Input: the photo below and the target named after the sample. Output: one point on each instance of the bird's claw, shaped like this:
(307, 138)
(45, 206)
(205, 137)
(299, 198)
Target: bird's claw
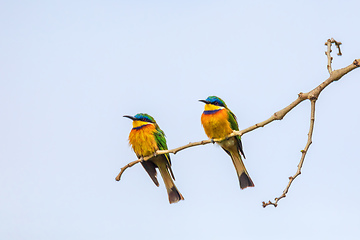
(212, 140)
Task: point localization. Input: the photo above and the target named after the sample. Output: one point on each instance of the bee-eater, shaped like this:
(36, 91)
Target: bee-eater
(145, 138)
(218, 122)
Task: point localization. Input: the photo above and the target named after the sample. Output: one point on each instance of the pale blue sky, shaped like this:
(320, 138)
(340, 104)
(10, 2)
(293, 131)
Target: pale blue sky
(69, 71)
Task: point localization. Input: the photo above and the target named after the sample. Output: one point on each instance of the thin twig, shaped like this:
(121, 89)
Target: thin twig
(298, 172)
(328, 43)
(329, 57)
(337, 44)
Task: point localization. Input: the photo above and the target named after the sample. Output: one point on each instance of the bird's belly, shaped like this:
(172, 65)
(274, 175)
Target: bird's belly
(142, 142)
(216, 126)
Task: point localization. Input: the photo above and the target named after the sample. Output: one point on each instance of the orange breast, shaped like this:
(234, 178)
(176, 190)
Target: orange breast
(143, 141)
(216, 125)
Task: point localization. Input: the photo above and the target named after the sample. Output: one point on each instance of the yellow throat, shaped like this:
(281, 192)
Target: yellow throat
(139, 123)
(212, 107)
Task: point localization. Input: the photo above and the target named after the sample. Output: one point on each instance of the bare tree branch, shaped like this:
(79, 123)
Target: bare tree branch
(298, 172)
(159, 152)
(336, 75)
(313, 96)
(279, 115)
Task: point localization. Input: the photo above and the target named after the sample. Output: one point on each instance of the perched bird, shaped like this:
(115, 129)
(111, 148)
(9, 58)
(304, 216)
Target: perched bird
(145, 138)
(218, 122)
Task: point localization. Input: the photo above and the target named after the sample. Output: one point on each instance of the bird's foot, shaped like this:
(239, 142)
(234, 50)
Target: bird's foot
(212, 140)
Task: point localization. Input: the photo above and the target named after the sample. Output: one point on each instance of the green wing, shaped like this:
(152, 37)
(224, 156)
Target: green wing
(160, 139)
(161, 143)
(234, 126)
(233, 122)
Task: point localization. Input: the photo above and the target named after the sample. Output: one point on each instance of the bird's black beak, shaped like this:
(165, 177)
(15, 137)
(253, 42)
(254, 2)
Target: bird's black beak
(204, 101)
(131, 117)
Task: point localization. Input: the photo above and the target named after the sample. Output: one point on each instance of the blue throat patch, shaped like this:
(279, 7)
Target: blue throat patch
(211, 111)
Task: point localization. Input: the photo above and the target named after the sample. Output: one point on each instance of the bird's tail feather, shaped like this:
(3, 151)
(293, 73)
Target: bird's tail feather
(244, 178)
(150, 168)
(173, 192)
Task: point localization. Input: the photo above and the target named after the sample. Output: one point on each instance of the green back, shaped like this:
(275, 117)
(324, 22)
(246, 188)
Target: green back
(233, 122)
(161, 142)
(234, 126)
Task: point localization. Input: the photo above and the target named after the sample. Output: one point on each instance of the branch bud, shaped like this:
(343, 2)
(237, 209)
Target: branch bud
(356, 63)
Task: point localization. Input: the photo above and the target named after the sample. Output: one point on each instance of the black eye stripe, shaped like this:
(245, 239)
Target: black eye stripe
(146, 120)
(218, 104)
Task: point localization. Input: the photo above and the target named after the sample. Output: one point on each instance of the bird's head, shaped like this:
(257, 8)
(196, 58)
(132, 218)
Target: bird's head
(213, 103)
(141, 119)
